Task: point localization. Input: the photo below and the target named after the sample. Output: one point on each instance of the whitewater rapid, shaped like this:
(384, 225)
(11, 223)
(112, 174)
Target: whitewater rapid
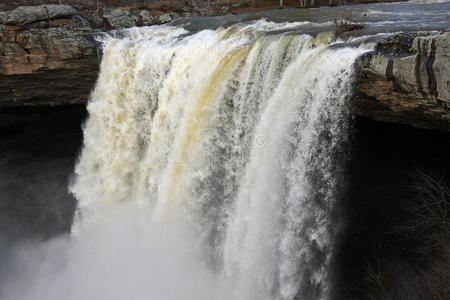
(211, 167)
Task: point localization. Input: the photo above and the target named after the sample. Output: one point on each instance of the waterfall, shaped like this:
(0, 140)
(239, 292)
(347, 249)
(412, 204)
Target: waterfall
(234, 136)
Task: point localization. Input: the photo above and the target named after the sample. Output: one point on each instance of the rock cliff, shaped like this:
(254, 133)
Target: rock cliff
(46, 67)
(46, 57)
(407, 80)
(50, 58)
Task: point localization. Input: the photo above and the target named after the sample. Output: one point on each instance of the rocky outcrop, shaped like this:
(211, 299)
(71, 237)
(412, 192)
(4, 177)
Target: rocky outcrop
(407, 80)
(78, 4)
(46, 62)
(147, 18)
(119, 18)
(29, 14)
(48, 57)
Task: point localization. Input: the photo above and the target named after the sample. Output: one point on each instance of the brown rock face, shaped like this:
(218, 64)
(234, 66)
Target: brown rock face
(46, 66)
(407, 80)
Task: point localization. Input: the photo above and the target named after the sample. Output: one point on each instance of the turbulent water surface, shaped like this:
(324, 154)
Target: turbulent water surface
(376, 18)
(212, 165)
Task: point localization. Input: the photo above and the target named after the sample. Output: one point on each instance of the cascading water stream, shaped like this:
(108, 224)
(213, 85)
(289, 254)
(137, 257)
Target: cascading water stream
(235, 134)
(231, 142)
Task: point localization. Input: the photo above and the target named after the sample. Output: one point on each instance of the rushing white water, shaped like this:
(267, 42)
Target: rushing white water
(211, 166)
(233, 133)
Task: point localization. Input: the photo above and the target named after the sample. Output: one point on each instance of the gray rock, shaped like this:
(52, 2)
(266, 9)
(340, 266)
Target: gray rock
(95, 20)
(119, 18)
(58, 11)
(379, 64)
(23, 15)
(166, 18)
(441, 67)
(406, 80)
(423, 46)
(29, 14)
(404, 71)
(80, 22)
(148, 18)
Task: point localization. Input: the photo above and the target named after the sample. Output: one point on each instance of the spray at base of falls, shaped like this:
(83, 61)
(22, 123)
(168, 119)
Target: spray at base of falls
(211, 164)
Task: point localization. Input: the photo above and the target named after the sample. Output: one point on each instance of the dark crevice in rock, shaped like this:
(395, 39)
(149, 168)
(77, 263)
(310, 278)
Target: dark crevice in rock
(28, 54)
(429, 66)
(417, 70)
(389, 73)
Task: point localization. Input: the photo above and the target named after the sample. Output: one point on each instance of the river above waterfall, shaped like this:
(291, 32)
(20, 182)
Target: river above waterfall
(376, 18)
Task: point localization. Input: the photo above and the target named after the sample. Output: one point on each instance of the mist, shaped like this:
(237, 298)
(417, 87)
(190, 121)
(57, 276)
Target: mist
(123, 254)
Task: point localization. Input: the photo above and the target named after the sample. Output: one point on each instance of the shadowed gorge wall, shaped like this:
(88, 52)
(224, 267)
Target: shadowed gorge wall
(38, 148)
(385, 157)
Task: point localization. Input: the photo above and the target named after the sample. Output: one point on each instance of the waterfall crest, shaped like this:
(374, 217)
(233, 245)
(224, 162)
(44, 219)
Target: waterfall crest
(234, 135)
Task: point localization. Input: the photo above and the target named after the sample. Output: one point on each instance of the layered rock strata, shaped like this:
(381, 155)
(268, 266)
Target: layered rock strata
(48, 57)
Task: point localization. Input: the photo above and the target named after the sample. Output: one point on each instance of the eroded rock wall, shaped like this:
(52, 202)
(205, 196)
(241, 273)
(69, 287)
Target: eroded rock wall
(53, 61)
(51, 65)
(407, 80)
